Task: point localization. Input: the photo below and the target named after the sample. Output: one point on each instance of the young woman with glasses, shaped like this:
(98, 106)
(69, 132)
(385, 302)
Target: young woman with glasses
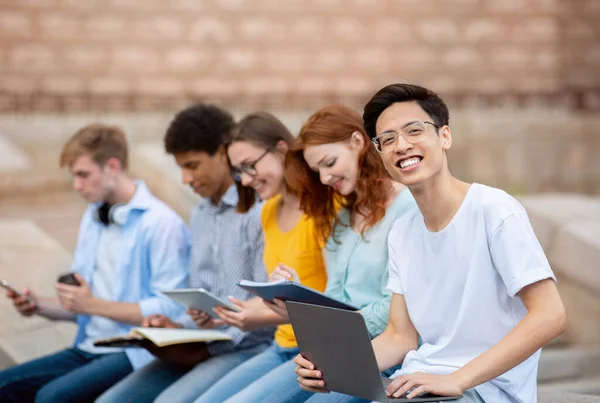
(257, 150)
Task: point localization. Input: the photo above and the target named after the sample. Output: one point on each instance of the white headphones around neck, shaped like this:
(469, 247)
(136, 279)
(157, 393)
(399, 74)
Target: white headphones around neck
(107, 214)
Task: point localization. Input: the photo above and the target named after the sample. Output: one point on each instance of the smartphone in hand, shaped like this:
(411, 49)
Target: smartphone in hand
(6, 285)
(68, 278)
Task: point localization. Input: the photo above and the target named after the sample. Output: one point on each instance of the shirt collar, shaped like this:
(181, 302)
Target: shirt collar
(230, 198)
(140, 200)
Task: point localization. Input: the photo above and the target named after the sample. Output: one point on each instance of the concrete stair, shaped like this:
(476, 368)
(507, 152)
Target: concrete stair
(150, 163)
(29, 257)
(560, 364)
(560, 397)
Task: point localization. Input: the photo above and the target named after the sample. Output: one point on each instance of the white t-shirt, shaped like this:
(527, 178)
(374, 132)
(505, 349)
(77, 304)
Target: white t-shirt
(103, 288)
(460, 286)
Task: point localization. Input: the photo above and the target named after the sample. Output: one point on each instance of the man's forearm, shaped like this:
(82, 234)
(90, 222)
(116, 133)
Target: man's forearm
(534, 331)
(391, 348)
(124, 312)
(50, 308)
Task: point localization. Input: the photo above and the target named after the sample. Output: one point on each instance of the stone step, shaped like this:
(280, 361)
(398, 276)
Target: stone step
(29, 257)
(557, 342)
(589, 385)
(56, 213)
(150, 163)
(5, 360)
(568, 363)
(554, 397)
(568, 228)
(29, 170)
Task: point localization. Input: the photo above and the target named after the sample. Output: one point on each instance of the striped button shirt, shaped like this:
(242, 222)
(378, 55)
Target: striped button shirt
(227, 246)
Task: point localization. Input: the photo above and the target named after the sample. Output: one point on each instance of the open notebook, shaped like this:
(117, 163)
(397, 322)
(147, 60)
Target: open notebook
(139, 336)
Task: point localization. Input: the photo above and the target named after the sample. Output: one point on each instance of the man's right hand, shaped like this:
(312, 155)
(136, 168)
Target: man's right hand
(308, 377)
(26, 304)
(204, 320)
(161, 321)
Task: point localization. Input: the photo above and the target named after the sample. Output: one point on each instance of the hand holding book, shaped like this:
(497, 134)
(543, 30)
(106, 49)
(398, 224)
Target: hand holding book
(292, 291)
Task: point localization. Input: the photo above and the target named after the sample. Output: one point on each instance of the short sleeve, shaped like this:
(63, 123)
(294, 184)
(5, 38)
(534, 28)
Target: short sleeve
(517, 254)
(395, 280)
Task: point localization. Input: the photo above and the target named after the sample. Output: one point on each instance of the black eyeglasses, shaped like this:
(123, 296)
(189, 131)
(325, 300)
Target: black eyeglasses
(249, 168)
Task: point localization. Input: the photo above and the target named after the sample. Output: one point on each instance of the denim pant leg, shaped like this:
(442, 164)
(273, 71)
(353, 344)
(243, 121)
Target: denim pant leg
(283, 386)
(20, 383)
(87, 382)
(334, 397)
(206, 374)
(273, 381)
(145, 384)
(247, 373)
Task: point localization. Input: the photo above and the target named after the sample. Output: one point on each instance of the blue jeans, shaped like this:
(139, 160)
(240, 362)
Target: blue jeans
(287, 389)
(70, 375)
(160, 381)
(253, 380)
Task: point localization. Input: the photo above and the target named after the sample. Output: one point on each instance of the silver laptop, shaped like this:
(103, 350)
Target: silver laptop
(338, 343)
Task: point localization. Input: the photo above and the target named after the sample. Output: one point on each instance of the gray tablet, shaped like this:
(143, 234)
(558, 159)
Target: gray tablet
(200, 299)
(337, 342)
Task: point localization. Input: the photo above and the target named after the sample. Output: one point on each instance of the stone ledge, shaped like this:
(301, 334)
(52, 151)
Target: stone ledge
(13, 159)
(554, 397)
(585, 386)
(568, 363)
(30, 258)
(150, 163)
(568, 228)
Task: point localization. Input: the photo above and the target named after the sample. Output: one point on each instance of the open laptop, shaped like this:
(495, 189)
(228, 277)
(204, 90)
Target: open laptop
(337, 342)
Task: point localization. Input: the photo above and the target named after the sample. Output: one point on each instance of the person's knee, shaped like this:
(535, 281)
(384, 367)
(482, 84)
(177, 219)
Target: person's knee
(110, 396)
(167, 396)
(51, 393)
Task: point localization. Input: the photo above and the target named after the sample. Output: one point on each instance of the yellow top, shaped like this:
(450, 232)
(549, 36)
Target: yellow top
(297, 248)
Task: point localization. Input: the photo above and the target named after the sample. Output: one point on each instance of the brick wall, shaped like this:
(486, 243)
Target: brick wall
(136, 54)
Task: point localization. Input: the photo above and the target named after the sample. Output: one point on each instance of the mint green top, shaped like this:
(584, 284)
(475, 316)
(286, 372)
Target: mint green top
(357, 267)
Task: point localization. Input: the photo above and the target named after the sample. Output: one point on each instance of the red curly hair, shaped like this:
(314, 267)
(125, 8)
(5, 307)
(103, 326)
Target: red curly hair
(332, 124)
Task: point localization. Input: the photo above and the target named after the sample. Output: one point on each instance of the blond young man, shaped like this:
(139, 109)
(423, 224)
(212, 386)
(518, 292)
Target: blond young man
(130, 245)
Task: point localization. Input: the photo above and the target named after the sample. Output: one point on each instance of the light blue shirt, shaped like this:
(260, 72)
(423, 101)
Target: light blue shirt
(357, 266)
(153, 255)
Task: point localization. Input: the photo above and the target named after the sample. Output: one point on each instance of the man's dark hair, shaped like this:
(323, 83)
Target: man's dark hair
(201, 127)
(388, 95)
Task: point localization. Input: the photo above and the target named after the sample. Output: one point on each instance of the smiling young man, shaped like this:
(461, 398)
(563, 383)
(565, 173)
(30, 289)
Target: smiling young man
(227, 246)
(467, 272)
(130, 245)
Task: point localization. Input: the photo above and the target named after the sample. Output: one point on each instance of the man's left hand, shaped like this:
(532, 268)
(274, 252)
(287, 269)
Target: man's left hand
(76, 299)
(278, 306)
(420, 382)
(248, 317)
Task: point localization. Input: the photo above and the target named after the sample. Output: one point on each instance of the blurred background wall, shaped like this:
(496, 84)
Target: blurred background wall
(521, 77)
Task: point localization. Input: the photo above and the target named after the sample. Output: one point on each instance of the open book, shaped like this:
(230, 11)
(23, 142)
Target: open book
(140, 336)
(286, 290)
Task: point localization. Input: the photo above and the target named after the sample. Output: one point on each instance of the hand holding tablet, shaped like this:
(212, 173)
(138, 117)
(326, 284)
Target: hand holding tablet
(199, 299)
